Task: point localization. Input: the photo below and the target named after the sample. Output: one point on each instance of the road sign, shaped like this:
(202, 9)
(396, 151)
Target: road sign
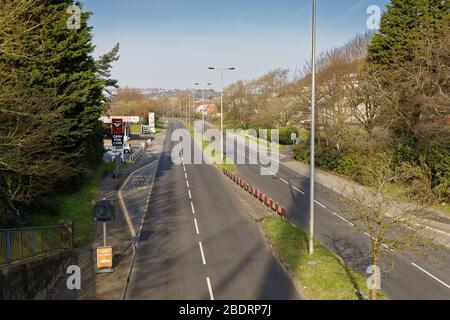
(104, 211)
(145, 129)
(117, 127)
(151, 122)
(117, 132)
(104, 259)
(117, 140)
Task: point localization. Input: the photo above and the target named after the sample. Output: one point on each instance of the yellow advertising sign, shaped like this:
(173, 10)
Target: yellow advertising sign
(104, 257)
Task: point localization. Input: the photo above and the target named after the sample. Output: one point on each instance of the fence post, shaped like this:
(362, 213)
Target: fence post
(32, 251)
(8, 246)
(67, 232)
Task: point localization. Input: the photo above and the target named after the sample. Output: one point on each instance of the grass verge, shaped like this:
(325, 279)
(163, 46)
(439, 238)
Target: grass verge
(77, 208)
(273, 145)
(324, 276)
(205, 143)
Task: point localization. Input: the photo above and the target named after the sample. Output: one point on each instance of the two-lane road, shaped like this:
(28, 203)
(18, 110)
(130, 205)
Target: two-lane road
(197, 242)
(413, 277)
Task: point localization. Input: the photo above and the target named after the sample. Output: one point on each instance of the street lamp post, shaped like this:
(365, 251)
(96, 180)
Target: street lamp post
(313, 130)
(221, 102)
(203, 100)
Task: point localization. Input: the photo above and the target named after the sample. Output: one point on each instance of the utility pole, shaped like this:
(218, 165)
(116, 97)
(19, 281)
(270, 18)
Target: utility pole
(221, 103)
(313, 131)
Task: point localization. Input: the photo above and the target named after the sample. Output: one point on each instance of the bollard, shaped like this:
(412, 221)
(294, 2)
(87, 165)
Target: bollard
(261, 195)
(283, 212)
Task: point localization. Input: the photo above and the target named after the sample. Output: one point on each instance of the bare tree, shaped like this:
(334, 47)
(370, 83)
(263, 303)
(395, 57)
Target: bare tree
(392, 227)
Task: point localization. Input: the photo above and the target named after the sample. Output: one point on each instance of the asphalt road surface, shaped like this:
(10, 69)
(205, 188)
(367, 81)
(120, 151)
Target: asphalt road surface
(411, 278)
(198, 243)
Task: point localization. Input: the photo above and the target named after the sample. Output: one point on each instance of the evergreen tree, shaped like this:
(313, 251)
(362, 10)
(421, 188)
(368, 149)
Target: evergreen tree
(410, 59)
(62, 67)
(104, 66)
(50, 103)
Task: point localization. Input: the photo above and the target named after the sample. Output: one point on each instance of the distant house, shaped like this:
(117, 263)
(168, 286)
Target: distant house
(207, 109)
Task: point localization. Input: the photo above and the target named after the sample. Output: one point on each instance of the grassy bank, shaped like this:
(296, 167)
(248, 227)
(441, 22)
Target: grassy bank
(77, 208)
(273, 145)
(327, 278)
(204, 144)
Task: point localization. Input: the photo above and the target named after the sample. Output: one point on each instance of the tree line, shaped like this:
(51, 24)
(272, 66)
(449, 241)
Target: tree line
(382, 100)
(52, 93)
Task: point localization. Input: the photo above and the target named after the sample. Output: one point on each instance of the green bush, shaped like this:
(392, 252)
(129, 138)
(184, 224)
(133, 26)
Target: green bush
(438, 160)
(302, 152)
(350, 165)
(285, 134)
(327, 157)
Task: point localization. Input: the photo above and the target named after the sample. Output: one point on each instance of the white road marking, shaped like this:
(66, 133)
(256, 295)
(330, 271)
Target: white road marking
(190, 196)
(209, 288)
(343, 219)
(201, 251)
(187, 183)
(367, 234)
(297, 189)
(192, 206)
(283, 180)
(323, 206)
(185, 175)
(432, 276)
(196, 226)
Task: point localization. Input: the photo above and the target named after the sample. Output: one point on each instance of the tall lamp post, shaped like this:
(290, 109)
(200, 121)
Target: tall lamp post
(313, 130)
(203, 100)
(221, 70)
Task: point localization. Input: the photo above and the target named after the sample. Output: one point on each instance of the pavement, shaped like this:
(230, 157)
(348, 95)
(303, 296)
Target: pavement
(412, 276)
(199, 242)
(110, 286)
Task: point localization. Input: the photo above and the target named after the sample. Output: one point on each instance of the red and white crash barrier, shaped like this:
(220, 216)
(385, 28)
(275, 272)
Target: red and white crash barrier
(254, 192)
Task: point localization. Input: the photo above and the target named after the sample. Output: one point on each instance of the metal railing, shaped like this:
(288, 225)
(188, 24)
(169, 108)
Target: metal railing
(23, 243)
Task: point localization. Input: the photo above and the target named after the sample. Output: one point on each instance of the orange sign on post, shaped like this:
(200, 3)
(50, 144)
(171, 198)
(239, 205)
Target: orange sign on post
(104, 259)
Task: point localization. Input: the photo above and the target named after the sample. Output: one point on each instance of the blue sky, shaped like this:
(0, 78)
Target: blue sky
(171, 43)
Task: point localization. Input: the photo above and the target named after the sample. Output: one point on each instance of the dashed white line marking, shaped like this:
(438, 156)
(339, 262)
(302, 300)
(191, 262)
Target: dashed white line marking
(190, 195)
(367, 234)
(187, 183)
(343, 219)
(192, 207)
(196, 226)
(201, 251)
(317, 202)
(298, 190)
(185, 175)
(432, 276)
(211, 296)
(283, 180)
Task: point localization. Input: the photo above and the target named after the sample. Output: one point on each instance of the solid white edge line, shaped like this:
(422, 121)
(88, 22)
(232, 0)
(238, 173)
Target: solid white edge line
(432, 276)
(196, 226)
(209, 288)
(202, 253)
